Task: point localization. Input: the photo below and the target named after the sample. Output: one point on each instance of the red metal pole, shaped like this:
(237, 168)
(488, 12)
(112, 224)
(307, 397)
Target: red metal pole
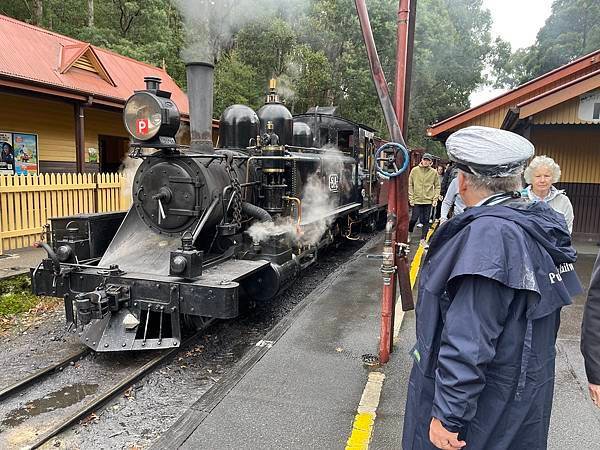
(402, 95)
(378, 75)
(397, 191)
(386, 338)
(412, 17)
(401, 53)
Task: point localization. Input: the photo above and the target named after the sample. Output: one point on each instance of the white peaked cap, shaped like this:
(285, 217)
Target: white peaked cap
(489, 152)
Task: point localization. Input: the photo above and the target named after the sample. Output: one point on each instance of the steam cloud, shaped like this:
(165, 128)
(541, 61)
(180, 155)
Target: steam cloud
(211, 24)
(128, 169)
(317, 204)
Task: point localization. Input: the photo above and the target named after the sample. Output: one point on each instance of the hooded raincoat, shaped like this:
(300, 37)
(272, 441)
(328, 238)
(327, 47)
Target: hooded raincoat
(488, 312)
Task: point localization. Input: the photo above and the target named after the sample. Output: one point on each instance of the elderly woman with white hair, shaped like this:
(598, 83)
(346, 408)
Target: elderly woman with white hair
(540, 176)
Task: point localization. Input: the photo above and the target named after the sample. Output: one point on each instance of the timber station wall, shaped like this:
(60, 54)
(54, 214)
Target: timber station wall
(54, 124)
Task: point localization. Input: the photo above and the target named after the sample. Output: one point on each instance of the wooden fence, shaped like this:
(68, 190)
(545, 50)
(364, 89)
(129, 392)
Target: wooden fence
(28, 201)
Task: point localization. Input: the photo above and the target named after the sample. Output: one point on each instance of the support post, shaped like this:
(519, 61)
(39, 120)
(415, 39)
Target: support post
(406, 24)
(412, 17)
(401, 53)
(80, 137)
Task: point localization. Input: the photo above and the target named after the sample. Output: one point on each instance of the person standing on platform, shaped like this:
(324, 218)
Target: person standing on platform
(590, 335)
(541, 174)
(452, 203)
(490, 294)
(437, 210)
(449, 175)
(423, 193)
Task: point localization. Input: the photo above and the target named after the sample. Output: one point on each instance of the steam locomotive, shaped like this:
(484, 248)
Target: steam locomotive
(209, 229)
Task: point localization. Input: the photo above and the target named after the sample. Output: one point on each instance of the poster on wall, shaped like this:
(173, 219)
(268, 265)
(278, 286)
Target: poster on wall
(7, 154)
(26, 153)
(589, 107)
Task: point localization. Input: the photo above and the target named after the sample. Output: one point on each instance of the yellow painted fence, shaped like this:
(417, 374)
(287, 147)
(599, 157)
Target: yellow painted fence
(28, 201)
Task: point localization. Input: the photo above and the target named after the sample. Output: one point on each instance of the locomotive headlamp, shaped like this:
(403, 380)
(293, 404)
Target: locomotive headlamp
(151, 117)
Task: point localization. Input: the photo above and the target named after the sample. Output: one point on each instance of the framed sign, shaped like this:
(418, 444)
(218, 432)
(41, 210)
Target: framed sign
(589, 107)
(26, 153)
(7, 154)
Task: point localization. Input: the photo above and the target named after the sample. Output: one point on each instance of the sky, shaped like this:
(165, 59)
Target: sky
(515, 21)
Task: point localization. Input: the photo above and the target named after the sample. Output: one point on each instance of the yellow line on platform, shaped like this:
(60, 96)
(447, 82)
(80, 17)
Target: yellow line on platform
(362, 428)
(416, 262)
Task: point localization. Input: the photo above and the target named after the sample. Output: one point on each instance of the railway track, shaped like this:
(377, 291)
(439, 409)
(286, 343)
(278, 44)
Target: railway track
(41, 374)
(35, 439)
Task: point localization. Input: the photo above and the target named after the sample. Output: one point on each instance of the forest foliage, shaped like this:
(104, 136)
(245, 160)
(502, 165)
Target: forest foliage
(315, 48)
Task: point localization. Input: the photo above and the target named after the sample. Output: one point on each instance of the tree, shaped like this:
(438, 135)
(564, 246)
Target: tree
(319, 56)
(266, 46)
(310, 79)
(235, 83)
(90, 13)
(38, 12)
(452, 43)
(571, 31)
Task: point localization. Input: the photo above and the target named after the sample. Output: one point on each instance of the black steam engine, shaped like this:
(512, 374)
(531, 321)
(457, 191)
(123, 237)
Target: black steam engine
(209, 229)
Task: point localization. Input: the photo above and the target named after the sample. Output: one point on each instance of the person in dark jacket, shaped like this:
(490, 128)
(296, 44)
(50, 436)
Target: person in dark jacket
(449, 175)
(590, 335)
(490, 293)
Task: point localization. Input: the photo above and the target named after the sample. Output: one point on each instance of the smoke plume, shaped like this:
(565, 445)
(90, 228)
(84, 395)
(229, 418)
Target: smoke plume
(211, 24)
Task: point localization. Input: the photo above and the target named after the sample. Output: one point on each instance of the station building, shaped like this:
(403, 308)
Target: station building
(559, 112)
(61, 101)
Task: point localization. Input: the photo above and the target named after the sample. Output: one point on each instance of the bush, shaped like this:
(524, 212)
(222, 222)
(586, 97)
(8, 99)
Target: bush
(16, 296)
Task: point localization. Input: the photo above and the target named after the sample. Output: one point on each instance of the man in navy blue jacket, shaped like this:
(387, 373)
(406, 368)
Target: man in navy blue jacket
(590, 334)
(488, 310)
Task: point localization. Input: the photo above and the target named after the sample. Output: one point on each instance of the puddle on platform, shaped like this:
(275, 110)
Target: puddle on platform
(62, 398)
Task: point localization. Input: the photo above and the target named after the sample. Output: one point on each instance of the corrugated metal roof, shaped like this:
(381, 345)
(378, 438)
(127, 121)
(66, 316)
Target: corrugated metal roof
(34, 55)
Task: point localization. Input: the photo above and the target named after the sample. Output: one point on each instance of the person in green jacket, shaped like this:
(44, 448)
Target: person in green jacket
(423, 193)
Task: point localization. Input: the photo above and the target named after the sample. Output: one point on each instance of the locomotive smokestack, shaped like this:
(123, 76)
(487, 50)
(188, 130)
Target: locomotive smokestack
(200, 97)
(152, 83)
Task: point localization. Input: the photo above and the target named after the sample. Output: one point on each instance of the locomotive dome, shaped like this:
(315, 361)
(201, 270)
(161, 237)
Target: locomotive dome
(303, 135)
(275, 111)
(238, 125)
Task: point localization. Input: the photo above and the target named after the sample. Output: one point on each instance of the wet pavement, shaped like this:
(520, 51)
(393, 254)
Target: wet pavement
(575, 422)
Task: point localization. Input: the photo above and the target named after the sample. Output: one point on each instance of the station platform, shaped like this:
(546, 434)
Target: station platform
(305, 386)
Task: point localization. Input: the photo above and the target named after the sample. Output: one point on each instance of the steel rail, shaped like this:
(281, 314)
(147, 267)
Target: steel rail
(110, 394)
(36, 376)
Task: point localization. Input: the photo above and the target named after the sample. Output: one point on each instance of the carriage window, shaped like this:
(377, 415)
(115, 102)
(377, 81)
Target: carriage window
(324, 136)
(345, 141)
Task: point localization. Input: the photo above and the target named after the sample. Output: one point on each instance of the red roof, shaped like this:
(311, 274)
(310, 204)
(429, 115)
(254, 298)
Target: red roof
(33, 56)
(548, 81)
